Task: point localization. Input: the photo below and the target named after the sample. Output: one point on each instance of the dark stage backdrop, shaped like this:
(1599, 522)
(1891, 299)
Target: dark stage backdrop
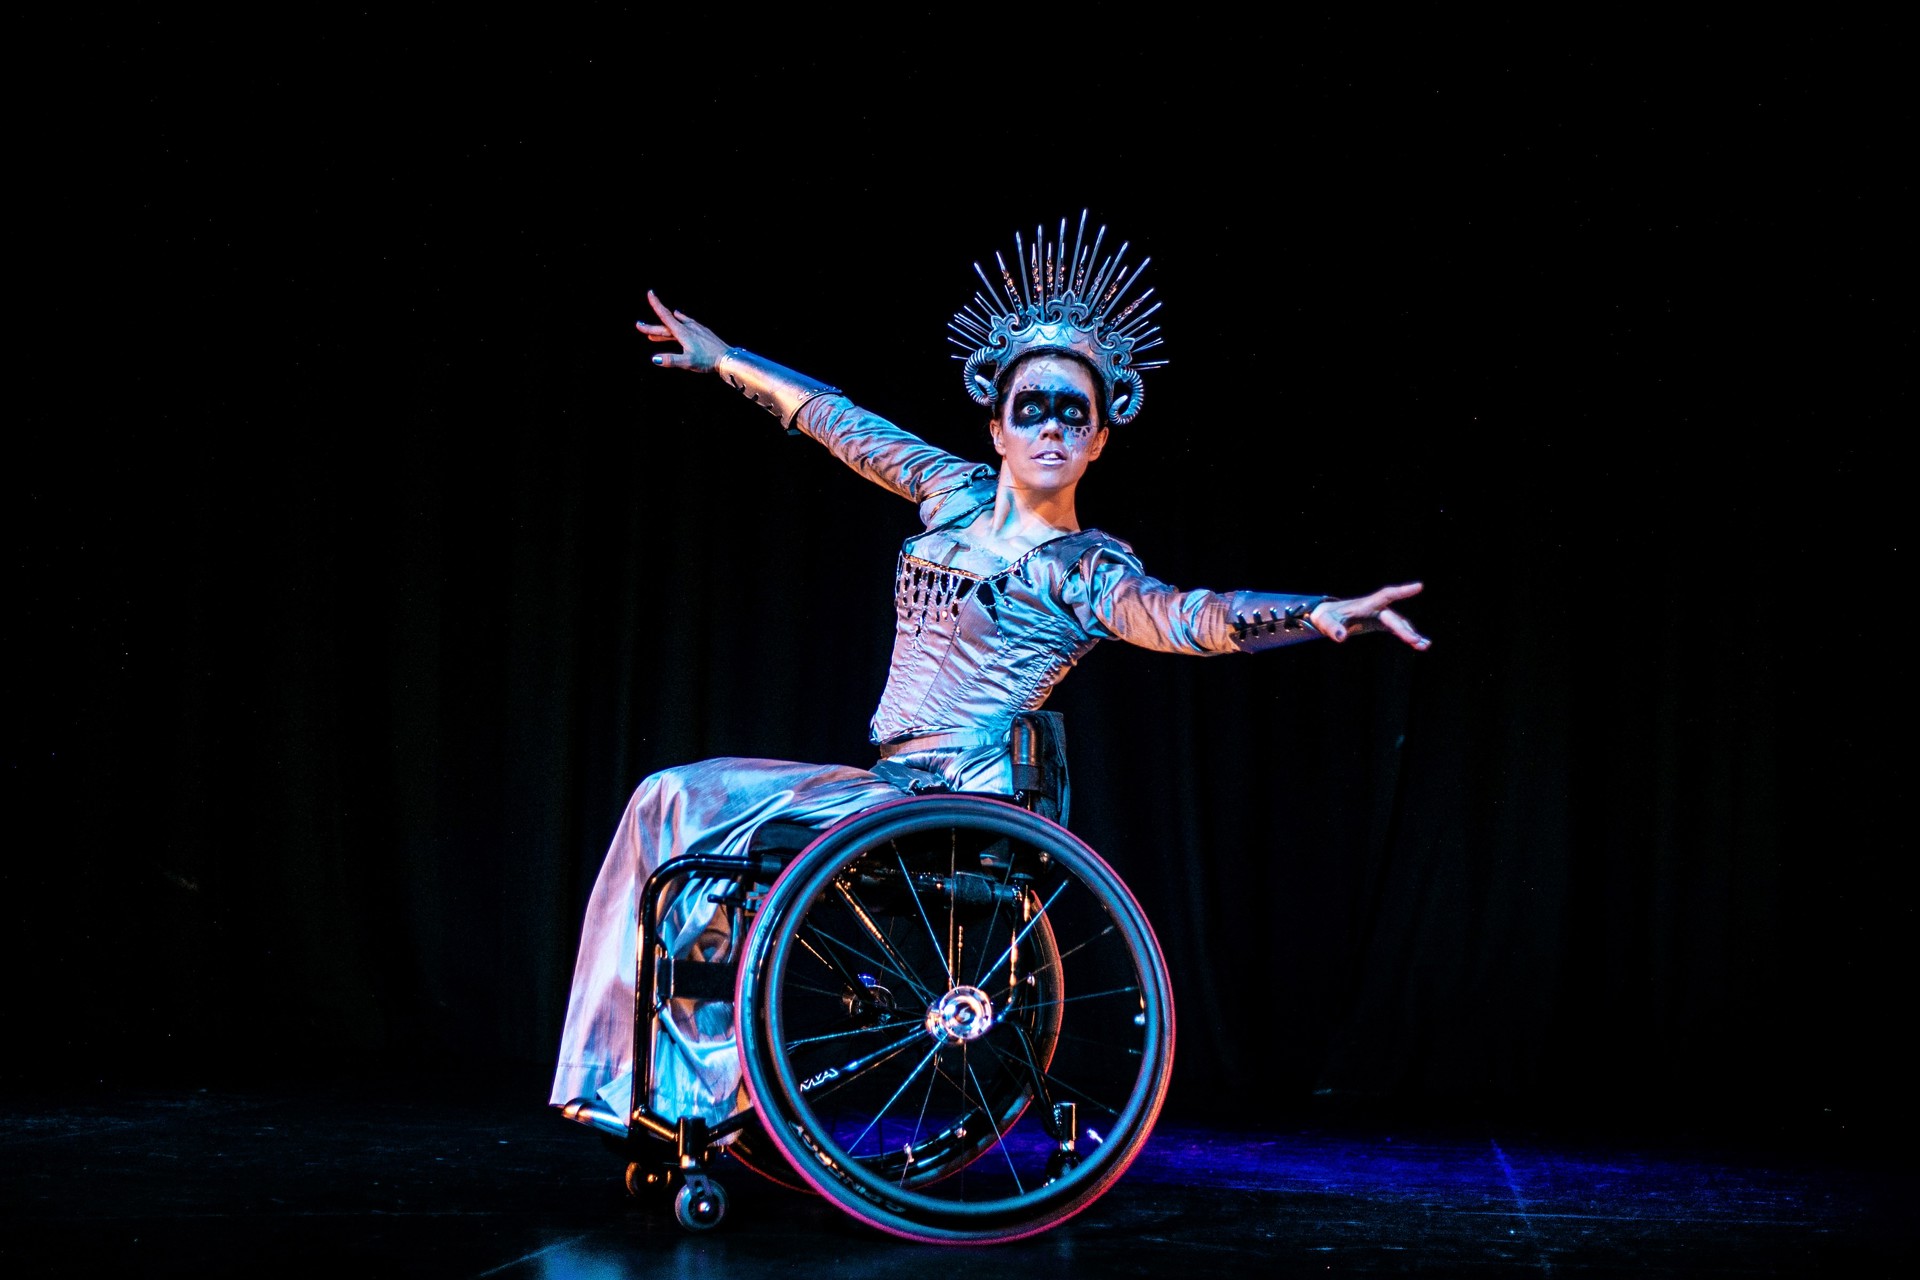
(361, 564)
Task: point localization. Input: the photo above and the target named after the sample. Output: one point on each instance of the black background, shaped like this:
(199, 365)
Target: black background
(361, 565)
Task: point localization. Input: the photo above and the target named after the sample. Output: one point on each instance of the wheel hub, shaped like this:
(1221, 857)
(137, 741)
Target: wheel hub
(964, 1013)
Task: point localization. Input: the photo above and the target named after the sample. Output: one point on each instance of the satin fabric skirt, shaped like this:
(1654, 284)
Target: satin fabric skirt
(703, 809)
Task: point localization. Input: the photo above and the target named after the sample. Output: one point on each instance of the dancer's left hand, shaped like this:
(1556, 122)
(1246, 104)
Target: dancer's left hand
(1338, 619)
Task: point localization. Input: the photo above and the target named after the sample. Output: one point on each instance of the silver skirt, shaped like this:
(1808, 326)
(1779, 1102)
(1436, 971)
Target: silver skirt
(712, 808)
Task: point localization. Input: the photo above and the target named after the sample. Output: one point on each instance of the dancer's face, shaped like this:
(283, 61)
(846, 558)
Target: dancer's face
(1048, 428)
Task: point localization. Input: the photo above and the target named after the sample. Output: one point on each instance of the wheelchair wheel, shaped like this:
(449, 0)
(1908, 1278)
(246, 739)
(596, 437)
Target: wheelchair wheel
(909, 1034)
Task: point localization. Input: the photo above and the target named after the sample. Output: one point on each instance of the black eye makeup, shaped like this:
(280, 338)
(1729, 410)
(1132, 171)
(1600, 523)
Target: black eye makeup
(1069, 408)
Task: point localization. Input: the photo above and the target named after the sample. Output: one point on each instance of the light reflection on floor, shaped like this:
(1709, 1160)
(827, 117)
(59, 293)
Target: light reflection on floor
(358, 1183)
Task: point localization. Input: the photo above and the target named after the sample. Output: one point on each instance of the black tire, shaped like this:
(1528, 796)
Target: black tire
(906, 1028)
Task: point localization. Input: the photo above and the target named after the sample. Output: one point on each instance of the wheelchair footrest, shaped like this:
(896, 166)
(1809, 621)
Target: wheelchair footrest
(597, 1114)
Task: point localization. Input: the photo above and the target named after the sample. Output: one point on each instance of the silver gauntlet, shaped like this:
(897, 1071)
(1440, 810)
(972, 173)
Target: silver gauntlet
(774, 387)
(1266, 620)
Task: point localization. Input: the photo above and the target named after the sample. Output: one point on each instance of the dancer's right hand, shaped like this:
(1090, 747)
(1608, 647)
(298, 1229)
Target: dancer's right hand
(700, 347)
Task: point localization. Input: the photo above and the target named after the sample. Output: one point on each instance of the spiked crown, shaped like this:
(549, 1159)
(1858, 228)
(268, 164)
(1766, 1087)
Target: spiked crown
(1070, 302)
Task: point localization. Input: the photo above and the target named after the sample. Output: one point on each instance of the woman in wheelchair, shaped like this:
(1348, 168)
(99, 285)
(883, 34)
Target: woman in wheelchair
(901, 1001)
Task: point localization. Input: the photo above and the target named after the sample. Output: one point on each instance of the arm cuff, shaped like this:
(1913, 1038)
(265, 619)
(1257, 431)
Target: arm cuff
(774, 387)
(1266, 620)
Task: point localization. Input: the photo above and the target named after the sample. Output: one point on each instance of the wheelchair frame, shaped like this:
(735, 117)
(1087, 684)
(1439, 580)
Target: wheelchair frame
(940, 1186)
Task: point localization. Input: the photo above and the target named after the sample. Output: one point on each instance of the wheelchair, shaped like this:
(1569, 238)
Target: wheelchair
(911, 1045)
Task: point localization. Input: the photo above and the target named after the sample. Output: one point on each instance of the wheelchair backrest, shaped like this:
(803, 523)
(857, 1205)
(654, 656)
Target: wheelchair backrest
(1039, 745)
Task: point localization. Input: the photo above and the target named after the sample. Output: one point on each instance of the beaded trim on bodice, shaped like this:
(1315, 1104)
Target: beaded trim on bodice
(922, 588)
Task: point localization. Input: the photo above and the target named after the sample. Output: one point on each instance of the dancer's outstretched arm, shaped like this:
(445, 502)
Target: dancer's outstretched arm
(892, 458)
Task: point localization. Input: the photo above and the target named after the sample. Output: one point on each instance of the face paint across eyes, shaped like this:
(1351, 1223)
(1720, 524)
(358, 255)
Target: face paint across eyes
(1033, 410)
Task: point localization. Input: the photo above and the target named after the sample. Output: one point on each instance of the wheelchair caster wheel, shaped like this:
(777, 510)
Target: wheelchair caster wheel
(700, 1203)
(646, 1180)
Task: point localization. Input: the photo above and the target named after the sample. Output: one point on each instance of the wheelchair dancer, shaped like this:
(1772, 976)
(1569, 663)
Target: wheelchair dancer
(996, 598)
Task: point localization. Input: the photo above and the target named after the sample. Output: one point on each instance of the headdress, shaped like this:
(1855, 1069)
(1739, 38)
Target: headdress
(1060, 301)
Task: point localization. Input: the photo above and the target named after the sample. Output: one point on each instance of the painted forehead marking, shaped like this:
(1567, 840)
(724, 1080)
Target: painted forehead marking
(1060, 375)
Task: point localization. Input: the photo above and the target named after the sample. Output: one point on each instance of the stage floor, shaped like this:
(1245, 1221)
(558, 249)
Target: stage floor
(337, 1180)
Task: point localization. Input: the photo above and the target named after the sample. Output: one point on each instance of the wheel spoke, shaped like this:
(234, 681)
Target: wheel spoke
(920, 1121)
(993, 923)
(865, 918)
(857, 987)
(1085, 995)
(888, 1106)
(1110, 1046)
(1021, 937)
(1075, 947)
(953, 925)
(1055, 1082)
(839, 1035)
(844, 1076)
(1050, 1080)
(945, 960)
(986, 1106)
(841, 994)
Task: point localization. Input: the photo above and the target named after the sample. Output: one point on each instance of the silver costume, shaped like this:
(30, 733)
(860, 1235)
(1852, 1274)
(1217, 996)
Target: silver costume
(973, 646)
